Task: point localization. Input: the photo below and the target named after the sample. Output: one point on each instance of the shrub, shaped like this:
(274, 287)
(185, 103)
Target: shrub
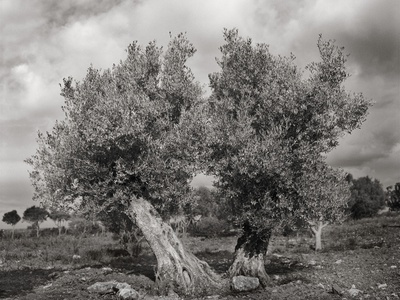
(94, 254)
(367, 197)
(210, 227)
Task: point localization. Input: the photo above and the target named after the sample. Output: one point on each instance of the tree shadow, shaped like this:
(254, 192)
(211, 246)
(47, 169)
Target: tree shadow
(20, 282)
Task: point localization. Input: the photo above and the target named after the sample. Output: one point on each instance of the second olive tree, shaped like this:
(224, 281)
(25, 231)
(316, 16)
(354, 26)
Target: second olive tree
(269, 124)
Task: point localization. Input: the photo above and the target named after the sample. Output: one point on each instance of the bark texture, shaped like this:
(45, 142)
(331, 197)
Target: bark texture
(177, 269)
(250, 252)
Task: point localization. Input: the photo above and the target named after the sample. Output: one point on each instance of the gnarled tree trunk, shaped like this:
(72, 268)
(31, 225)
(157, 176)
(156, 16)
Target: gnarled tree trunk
(177, 269)
(250, 251)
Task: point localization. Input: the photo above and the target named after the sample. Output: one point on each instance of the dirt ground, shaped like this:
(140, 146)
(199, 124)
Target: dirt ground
(373, 267)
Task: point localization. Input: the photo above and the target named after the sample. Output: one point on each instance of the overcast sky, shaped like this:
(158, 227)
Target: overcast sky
(42, 42)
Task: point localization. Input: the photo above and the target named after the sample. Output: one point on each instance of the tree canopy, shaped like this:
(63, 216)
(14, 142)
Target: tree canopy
(11, 217)
(126, 131)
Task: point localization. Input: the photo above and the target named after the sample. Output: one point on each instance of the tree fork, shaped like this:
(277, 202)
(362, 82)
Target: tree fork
(177, 269)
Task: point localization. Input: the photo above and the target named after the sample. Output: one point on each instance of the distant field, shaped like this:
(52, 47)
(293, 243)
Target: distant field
(364, 253)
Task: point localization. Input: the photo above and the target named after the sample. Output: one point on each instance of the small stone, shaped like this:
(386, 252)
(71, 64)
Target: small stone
(47, 286)
(320, 285)
(76, 257)
(54, 275)
(353, 291)
(106, 270)
(336, 290)
(382, 286)
(312, 262)
(244, 283)
(102, 287)
(338, 262)
(123, 285)
(128, 294)
(393, 267)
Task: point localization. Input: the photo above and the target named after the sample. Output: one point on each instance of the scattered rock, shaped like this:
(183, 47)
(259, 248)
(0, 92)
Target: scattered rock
(277, 255)
(54, 275)
(336, 290)
(338, 262)
(47, 286)
(393, 267)
(107, 270)
(128, 294)
(109, 287)
(244, 283)
(102, 287)
(382, 286)
(312, 262)
(353, 291)
(319, 267)
(320, 285)
(123, 285)
(76, 257)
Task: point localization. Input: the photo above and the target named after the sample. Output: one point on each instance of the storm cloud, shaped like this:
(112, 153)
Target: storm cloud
(43, 42)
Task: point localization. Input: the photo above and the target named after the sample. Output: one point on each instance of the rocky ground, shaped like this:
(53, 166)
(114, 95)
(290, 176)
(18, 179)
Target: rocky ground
(358, 269)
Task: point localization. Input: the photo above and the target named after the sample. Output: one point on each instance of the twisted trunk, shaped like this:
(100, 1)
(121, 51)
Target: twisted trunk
(177, 269)
(250, 252)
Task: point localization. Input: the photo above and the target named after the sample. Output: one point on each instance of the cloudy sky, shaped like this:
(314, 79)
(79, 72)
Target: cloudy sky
(43, 41)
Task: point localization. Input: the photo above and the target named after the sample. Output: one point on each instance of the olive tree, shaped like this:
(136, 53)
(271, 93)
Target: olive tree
(325, 193)
(130, 139)
(11, 218)
(266, 118)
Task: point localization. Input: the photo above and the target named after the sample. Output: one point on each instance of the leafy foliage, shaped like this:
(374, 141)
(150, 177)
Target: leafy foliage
(393, 196)
(35, 214)
(270, 130)
(206, 203)
(367, 197)
(11, 218)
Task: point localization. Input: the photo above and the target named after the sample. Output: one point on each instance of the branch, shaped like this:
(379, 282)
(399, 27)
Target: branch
(324, 225)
